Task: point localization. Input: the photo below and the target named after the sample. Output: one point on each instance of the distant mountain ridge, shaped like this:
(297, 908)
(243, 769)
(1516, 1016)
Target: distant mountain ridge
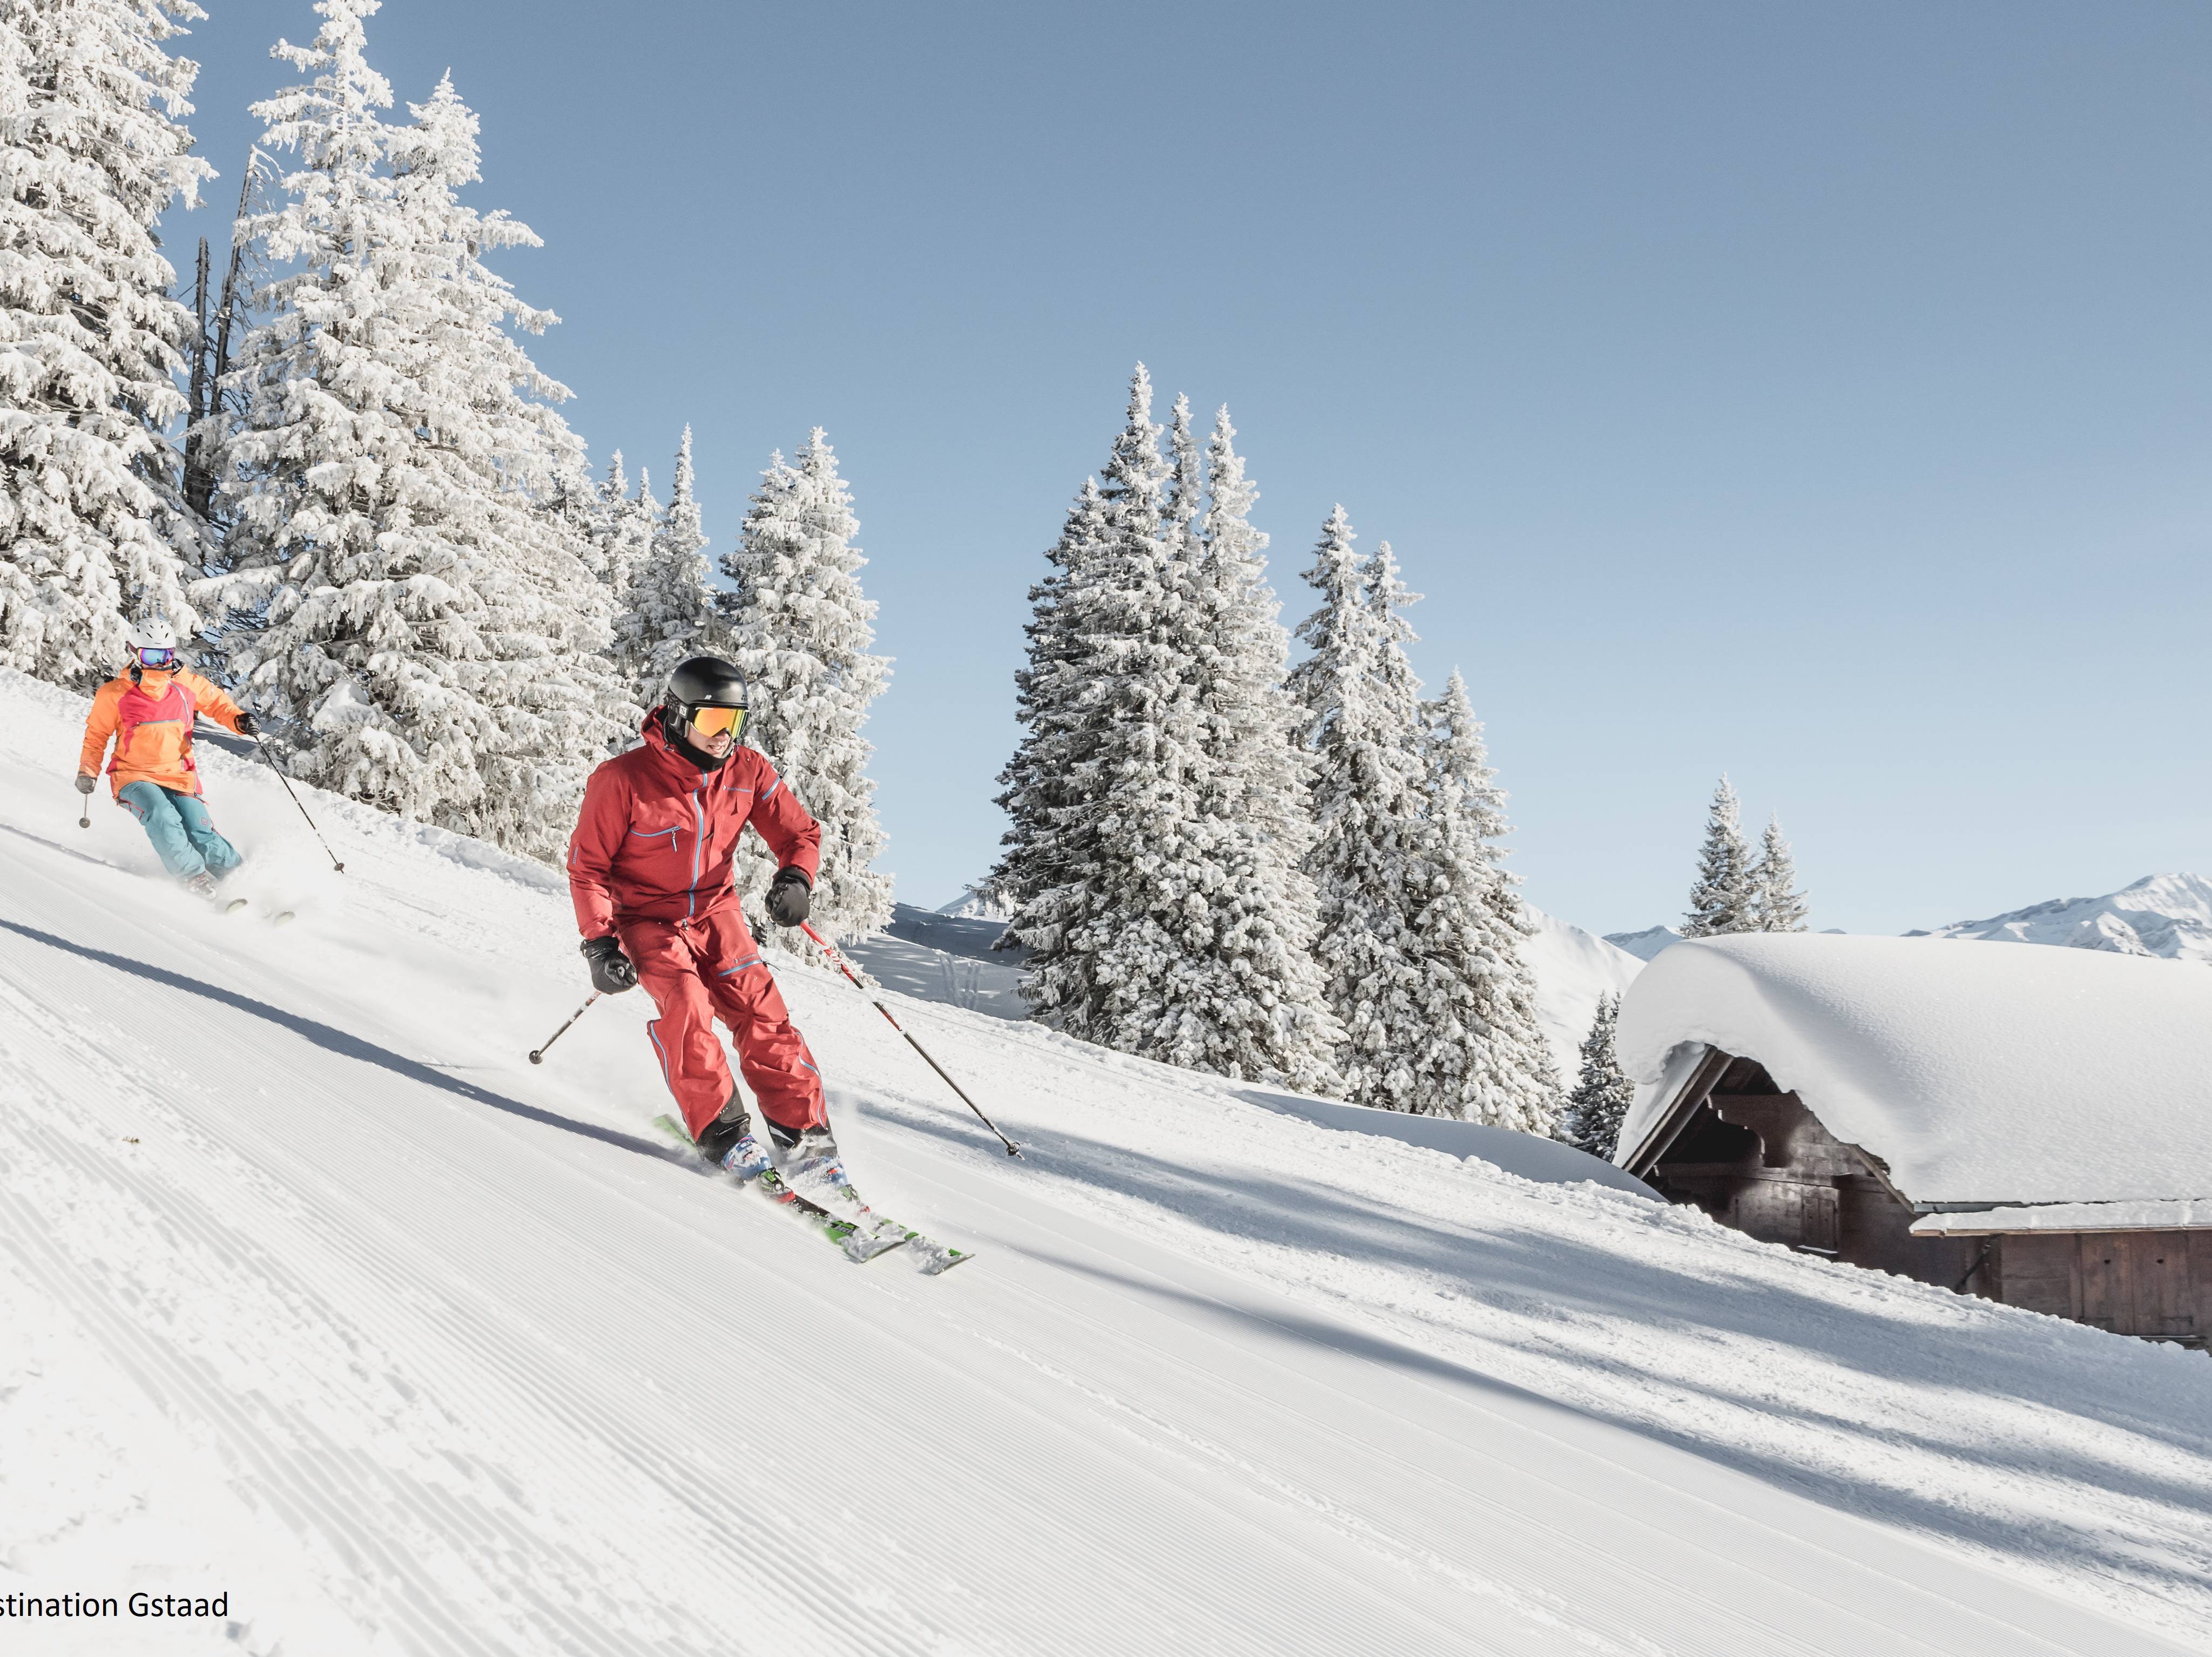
(1646, 944)
(2167, 915)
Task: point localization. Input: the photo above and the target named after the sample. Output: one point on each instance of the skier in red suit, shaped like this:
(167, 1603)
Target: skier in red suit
(650, 869)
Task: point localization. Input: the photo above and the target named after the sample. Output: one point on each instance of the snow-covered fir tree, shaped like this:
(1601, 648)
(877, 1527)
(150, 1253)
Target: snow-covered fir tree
(1038, 784)
(1726, 896)
(667, 614)
(94, 148)
(799, 628)
(1780, 907)
(628, 523)
(1262, 1002)
(1370, 797)
(410, 600)
(1602, 1093)
(1134, 891)
(521, 501)
(1475, 1049)
(625, 534)
(1118, 729)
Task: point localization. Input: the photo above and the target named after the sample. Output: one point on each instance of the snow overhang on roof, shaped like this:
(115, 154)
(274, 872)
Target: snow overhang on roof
(1980, 1073)
(2187, 1215)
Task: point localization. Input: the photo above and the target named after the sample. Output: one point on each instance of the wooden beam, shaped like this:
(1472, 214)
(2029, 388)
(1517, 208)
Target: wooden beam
(1676, 1119)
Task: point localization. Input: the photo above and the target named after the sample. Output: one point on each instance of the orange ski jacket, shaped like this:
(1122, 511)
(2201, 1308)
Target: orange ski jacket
(149, 715)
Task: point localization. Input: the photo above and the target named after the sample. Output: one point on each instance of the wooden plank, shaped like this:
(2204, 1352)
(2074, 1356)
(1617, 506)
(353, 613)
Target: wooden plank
(2200, 1279)
(2037, 1273)
(2103, 1271)
(2158, 1268)
(1821, 1230)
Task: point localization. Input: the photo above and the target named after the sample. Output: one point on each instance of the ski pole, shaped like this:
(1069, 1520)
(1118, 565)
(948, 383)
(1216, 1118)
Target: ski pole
(318, 833)
(84, 813)
(1013, 1150)
(537, 1054)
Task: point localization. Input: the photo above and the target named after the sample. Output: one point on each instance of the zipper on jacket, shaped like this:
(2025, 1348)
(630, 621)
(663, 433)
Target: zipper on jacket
(698, 848)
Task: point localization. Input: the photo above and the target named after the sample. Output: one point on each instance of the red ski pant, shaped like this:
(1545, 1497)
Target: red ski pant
(697, 971)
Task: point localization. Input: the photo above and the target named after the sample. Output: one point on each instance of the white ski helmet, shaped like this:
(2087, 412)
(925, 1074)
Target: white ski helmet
(151, 635)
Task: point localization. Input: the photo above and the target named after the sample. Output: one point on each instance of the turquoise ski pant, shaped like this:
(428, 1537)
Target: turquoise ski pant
(181, 828)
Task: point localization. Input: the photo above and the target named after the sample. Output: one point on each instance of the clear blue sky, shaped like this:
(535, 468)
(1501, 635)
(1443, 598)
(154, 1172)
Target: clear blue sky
(1819, 393)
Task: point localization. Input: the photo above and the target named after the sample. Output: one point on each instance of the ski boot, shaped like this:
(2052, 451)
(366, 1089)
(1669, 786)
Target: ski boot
(728, 1143)
(810, 1159)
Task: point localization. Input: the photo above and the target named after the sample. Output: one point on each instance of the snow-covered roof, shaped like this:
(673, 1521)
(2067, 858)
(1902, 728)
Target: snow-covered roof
(2189, 1214)
(1978, 1072)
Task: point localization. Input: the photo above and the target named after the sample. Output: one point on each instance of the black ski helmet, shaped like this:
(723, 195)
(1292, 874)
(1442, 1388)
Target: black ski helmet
(704, 682)
(701, 682)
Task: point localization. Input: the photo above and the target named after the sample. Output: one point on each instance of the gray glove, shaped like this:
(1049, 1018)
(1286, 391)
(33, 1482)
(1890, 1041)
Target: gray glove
(86, 784)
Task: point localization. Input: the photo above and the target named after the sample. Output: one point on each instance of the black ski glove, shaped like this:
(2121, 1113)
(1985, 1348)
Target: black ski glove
(790, 897)
(86, 784)
(611, 971)
(247, 725)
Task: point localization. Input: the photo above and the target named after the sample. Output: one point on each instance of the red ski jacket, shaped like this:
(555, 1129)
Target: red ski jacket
(657, 836)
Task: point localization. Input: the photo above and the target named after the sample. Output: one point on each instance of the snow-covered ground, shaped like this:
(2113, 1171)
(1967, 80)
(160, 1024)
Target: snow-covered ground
(315, 1293)
(2168, 915)
(1573, 968)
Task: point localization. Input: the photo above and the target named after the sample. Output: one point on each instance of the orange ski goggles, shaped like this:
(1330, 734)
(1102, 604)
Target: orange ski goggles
(713, 721)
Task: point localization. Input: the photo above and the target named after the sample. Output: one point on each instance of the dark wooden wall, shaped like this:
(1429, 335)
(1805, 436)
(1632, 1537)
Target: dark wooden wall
(2157, 1284)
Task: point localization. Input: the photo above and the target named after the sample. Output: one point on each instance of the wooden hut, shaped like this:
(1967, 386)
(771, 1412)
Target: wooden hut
(2026, 1123)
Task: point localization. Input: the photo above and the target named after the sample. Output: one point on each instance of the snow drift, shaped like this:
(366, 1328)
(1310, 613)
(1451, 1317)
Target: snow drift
(314, 1291)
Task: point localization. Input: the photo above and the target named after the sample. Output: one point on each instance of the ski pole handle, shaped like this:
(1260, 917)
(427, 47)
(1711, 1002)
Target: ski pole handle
(1013, 1150)
(537, 1054)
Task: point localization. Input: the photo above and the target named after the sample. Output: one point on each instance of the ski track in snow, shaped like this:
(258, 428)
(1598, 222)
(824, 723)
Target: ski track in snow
(411, 1347)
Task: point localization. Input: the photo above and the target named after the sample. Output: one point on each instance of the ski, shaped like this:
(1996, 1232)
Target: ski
(941, 1257)
(856, 1243)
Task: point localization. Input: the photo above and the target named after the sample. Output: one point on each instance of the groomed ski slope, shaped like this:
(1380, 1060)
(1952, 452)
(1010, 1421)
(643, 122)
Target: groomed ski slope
(315, 1293)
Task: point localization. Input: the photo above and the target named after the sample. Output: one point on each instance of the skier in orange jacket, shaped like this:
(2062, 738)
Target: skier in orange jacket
(149, 712)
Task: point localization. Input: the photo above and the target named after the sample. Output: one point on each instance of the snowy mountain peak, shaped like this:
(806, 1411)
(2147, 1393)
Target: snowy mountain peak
(2168, 915)
(1646, 944)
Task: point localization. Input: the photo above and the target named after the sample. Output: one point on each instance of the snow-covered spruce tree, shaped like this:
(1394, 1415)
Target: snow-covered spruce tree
(1147, 865)
(1117, 732)
(630, 527)
(667, 613)
(800, 630)
(520, 500)
(93, 148)
(1038, 783)
(624, 533)
(414, 608)
(1370, 800)
(1603, 1094)
(1476, 1050)
(1780, 907)
(1726, 896)
(1262, 1002)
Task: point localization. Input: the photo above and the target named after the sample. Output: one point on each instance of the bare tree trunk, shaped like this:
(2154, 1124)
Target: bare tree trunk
(199, 482)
